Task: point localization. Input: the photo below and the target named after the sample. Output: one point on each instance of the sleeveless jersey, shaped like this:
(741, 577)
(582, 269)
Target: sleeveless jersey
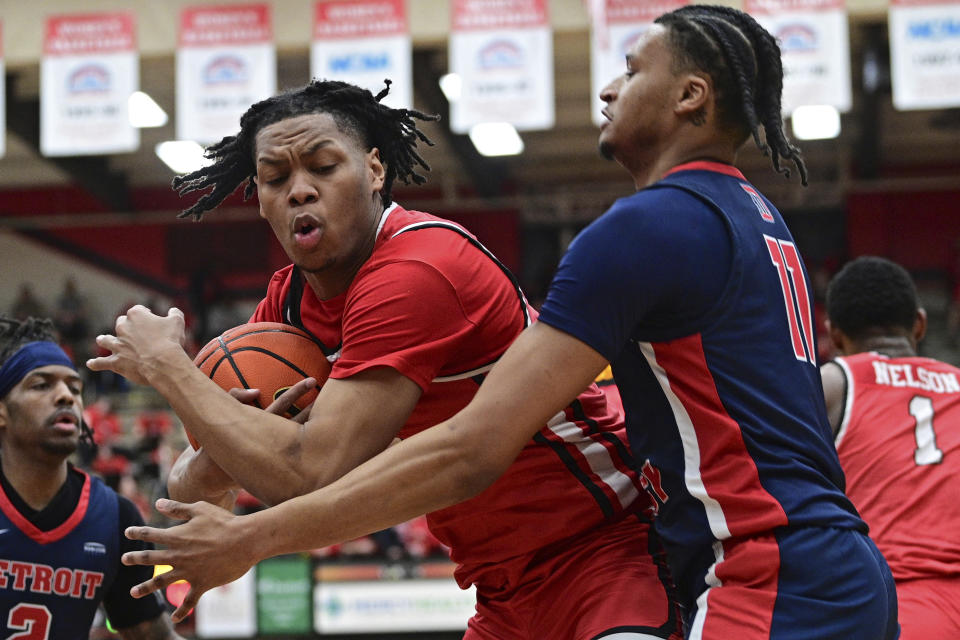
(694, 290)
(51, 582)
(434, 304)
(899, 444)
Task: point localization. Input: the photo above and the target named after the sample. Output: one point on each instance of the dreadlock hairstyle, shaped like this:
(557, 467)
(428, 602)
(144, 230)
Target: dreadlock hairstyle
(16, 333)
(872, 296)
(392, 131)
(743, 60)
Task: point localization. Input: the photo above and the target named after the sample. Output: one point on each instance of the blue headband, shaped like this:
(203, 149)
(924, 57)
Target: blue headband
(30, 356)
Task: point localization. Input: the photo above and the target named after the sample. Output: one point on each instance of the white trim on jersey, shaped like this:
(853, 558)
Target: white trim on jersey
(383, 218)
(691, 448)
(465, 374)
(696, 628)
(598, 458)
(847, 402)
(629, 635)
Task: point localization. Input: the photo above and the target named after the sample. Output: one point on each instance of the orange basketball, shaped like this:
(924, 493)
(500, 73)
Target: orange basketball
(269, 356)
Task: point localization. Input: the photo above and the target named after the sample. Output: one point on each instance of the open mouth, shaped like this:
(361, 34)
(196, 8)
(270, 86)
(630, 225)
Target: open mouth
(66, 421)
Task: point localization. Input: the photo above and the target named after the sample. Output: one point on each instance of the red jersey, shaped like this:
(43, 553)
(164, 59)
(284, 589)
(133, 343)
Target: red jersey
(434, 304)
(899, 445)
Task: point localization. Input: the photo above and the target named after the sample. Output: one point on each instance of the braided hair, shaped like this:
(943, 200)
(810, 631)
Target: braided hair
(743, 60)
(16, 333)
(357, 110)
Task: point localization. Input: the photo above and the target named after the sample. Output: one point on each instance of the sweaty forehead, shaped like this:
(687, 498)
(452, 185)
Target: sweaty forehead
(56, 371)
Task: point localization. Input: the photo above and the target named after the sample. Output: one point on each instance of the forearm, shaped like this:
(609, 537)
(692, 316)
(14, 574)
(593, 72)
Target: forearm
(448, 463)
(194, 477)
(427, 472)
(255, 448)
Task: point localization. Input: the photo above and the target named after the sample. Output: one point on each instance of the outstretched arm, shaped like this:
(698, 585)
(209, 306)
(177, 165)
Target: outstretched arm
(270, 456)
(542, 372)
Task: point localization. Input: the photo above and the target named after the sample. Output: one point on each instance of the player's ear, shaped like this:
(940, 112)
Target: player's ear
(3, 416)
(376, 169)
(695, 95)
(920, 325)
(836, 336)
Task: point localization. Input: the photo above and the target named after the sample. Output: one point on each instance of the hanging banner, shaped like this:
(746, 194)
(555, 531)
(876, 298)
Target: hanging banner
(229, 611)
(925, 54)
(89, 69)
(226, 61)
(503, 52)
(3, 100)
(615, 26)
(815, 42)
(364, 42)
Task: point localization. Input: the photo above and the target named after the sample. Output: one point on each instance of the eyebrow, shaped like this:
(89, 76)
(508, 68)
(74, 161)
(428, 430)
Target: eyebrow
(46, 375)
(312, 149)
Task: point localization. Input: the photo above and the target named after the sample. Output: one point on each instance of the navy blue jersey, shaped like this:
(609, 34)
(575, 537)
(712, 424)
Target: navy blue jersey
(694, 290)
(52, 581)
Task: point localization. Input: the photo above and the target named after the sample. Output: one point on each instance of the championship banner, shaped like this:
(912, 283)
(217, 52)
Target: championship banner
(226, 61)
(925, 54)
(88, 71)
(364, 42)
(3, 100)
(503, 52)
(815, 42)
(615, 26)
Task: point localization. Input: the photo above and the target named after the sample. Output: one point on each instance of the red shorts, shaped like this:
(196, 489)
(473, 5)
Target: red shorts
(604, 584)
(929, 608)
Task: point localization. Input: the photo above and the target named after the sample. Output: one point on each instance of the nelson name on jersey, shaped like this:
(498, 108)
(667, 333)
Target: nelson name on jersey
(62, 581)
(906, 375)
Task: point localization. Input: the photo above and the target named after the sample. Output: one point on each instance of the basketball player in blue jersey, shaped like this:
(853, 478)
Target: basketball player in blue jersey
(694, 290)
(61, 530)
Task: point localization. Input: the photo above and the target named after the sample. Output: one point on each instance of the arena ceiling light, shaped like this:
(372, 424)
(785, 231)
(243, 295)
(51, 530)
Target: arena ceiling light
(815, 122)
(144, 111)
(183, 156)
(452, 86)
(496, 139)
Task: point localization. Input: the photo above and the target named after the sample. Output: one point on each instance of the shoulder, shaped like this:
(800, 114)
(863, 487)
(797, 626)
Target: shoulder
(129, 514)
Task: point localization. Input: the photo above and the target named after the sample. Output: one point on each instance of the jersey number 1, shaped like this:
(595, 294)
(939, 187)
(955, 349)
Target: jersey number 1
(786, 260)
(921, 408)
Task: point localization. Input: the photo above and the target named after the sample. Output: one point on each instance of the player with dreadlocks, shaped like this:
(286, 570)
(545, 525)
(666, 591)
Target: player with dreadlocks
(61, 530)
(694, 290)
(413, 311)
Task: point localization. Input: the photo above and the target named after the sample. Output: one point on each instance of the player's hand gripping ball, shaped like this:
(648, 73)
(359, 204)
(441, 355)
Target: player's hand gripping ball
(269, 356)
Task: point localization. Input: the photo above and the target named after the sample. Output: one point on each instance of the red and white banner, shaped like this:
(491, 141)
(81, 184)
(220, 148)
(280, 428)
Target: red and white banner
(3, 100)
(226, 61)
(815, 41)
(89, 69)
(364, 42)
(615, 26)
(503, 52)
(925, 54)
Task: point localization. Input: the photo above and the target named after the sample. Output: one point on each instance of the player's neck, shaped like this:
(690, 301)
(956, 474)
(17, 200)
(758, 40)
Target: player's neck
(890, 346)
(36, 480)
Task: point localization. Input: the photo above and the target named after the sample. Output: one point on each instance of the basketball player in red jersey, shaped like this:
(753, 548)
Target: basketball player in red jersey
(896, 417)
(413, 311)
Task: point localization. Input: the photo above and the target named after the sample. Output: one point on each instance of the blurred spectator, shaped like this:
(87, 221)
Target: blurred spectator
(71, 317)
(111, 466)
(27, 304)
